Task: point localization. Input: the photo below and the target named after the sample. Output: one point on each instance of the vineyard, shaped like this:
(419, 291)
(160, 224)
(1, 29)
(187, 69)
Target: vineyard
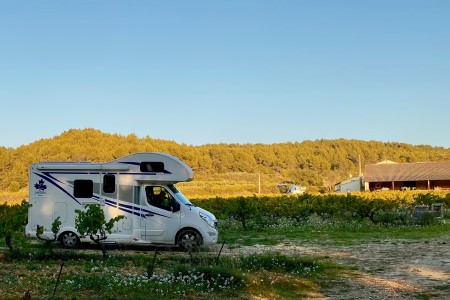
(258, 254)
(387, 208)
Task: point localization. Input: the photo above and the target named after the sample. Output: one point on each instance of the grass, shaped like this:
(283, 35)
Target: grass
(127, 275)
(176, 275)
(328, 232)
(13, 197)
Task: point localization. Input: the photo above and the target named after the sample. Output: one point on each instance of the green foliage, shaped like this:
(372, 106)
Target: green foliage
(280, 263)
(123, 277)
(394, 209)
(92, 222)
(12, 220)
(327, 232)
(14, 187)
(241, 209)
(218, 277)
(56, 224)
(430, 198)
(319, 163)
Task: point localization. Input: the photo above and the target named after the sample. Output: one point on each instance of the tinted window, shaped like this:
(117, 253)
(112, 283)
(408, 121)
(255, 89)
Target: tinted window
(152, 166)
(83, 188)
(109, 183)
(159, 197)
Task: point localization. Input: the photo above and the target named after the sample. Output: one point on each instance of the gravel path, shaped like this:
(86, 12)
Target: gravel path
(385, 269)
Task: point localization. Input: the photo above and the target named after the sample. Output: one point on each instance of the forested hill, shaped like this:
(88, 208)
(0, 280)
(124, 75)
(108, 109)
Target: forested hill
(312, 163)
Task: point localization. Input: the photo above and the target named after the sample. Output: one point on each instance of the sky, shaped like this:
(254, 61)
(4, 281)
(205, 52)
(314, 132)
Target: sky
(230, 71)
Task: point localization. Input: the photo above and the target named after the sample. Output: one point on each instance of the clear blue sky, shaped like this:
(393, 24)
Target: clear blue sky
(231, 71)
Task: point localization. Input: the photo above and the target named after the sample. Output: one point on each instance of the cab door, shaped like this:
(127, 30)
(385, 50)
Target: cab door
(159, 223)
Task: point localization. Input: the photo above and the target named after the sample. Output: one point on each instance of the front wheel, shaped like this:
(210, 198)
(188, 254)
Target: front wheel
(189, 240)
(69, 239)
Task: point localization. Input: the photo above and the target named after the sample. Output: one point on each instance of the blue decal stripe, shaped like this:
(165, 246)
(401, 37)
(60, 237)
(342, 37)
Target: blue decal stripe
(99, 173)
(142, 173)
(152, 212)
(59, 187)
(70, 173)
(133, 213)
(136, 210)
(126, 206)
(145, 173)
(109, 202)
(113, 204)
(130, 163)
(52, 177)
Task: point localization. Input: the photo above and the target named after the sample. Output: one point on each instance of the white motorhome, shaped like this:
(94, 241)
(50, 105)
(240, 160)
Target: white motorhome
(139, 186)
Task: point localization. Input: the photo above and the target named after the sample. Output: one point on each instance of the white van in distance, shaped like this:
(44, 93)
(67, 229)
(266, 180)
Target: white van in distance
(139, 186)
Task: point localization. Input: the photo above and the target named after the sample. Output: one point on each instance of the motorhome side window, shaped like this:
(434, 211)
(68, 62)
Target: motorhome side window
(109, 183)
(152, 166)
(83, 188)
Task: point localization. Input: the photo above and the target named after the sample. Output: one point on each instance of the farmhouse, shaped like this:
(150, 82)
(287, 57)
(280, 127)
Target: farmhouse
(389, 175)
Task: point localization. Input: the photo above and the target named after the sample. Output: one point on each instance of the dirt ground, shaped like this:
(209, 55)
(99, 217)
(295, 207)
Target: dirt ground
(384, 269)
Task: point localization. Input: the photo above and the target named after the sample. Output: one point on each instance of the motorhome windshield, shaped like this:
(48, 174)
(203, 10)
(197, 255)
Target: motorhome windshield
(179, 195)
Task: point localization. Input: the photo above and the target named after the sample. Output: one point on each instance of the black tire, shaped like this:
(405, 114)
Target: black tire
(69, 239)
(189, 240)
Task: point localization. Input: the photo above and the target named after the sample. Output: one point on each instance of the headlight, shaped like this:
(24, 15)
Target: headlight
(207, 219)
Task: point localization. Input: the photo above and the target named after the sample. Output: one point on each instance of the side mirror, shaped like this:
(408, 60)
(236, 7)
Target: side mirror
(176, 206)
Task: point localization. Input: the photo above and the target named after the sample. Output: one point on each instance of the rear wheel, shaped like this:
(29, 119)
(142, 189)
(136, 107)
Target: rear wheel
(69, 239)
(189, 240)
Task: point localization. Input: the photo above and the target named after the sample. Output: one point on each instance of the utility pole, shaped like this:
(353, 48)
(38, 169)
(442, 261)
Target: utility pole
(359, 161)
(259, 183)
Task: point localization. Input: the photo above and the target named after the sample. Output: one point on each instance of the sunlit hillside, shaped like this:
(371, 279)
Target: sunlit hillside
(220, 169)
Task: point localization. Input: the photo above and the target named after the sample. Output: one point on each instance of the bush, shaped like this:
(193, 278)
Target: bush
(14, 187)
(13, 219)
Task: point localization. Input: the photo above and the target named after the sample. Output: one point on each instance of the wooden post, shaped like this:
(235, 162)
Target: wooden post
(259, 183)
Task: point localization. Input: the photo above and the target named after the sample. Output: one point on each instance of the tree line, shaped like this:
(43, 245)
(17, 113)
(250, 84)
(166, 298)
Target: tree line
(311, 163)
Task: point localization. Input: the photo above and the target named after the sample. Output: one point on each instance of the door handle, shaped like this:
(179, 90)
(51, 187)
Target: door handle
(149, 215)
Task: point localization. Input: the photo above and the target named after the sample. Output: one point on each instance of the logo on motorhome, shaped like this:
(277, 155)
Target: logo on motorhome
(40, 187)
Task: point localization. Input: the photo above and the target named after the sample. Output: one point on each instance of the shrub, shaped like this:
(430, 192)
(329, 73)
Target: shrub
(14, 187)
(12, 220)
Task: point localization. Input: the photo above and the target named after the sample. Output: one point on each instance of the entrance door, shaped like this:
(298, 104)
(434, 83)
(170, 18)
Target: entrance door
(111, 194)
(159, 223)
(42, 212)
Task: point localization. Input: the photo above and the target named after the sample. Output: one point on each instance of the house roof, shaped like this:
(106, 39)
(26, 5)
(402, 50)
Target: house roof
(407, 171)
(350, 180)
